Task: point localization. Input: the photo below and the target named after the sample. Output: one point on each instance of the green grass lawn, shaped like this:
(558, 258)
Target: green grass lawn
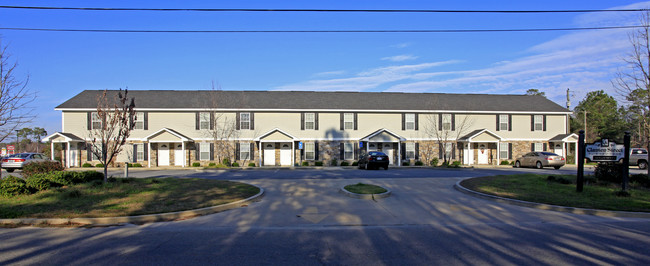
(536, 188)
(361, 188)
(125, 197)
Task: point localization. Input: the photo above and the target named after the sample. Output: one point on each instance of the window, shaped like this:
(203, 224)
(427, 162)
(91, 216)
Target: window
(448, 149)
(310, 153)
(348, 151)
(446, 121)
(503, 150)
(310, 120)
(204, 121)
(96, 151)
(410, 151)
(205, 151)
(244, 151)
(348, 120)
(503, 122)
(96, 121)
(139, 156)
(539, 122)
(139, 120)
(539, 146)
(410, 121)
(245, 121)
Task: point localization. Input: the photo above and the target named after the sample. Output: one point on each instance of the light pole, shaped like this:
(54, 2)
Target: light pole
(17, 144)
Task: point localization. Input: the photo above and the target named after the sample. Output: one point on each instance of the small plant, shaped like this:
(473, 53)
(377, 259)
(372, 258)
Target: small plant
(40, 167)
(305, 163)
(344, 163)
(196, 164)
(355, 163)
(434, 162)
(505, 162)
(251, 164)
(212, 164)
(512, 163)
(37, 183)
(405, 164)
(334, 162)
(86, 165)
(99, 165)
(318, 163)
(235, 164)
(12, 186)
(455, 164)
(136, 165)
(419, 163)
(225, 161)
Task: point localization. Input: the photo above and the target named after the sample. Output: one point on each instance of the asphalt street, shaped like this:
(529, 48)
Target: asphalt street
(304, 220)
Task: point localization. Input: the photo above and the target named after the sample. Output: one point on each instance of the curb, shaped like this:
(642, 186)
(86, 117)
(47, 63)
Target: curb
(139, 219)
(549, 207)
(365, 196)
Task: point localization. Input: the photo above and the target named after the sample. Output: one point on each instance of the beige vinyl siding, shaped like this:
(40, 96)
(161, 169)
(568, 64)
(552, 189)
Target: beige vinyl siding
(75, 123)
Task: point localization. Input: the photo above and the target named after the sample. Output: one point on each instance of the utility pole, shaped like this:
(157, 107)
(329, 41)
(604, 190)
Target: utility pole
(568, 100)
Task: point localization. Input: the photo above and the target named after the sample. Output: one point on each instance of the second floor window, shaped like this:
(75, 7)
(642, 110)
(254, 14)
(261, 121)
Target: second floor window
(139, 120)
(503, 122)
(96, 121)
(348, 120)
(539, 122)
(245, 121)
(409, 121)
(310, 120)
(204, 120)
(446, 121)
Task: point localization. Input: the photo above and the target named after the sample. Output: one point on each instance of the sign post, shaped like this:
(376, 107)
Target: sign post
(581, 161)
(626, 160)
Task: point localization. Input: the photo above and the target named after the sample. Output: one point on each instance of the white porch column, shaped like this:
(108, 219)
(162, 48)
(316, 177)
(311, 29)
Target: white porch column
(498, 153)
(52, 150)
(183, 148)
(399, 153)
(293, 153)
(471, 153)
(149, 154)
(67, 155)
(259, 150)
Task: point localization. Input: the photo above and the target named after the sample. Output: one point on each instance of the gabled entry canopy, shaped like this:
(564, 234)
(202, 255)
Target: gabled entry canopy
(383, 135)
(481, 135)
(166, 135)
(573, 137)
(60, 137)
(276, 135)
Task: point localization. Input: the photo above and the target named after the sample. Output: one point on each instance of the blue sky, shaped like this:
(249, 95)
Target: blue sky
(62, 64)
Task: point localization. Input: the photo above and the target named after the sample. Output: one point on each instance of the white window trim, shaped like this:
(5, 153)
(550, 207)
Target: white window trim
(446, 122)
(503, 120)
(503, 149)
(348, 120)
(410, 149)
(409, 121)
(245, 148)
(540, 122)
(139, 156)
(139, 120)
(348, 149)
(310, 119)
(95, 119)
(310, 149)
(242, 121)
(204, 149)
(204, 119)
(539, 146)
(448, 149)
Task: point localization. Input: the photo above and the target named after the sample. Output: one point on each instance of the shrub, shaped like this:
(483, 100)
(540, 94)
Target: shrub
(225, 161)
(40, 167)
(355, 163)
(456, 164)
(434, 162)
(235, 164)
(305, 163)
(608, 172)
(318, 163)
(571, 159)
(419, 163)
(640, 179)
(12, 186)
(196, 164)
(39, 182)
(251, 164)
(505, 163)
(86, 165)
(334, 162)
(87, 176)
(99, 165)
(512, 163)
(212, 164)
(406, 164)
(136, 165)
(344, 163)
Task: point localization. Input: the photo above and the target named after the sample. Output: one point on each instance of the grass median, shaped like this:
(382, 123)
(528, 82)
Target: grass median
(125, 197)
(538, 188)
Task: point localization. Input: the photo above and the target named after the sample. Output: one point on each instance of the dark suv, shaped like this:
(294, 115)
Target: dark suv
(374, 160)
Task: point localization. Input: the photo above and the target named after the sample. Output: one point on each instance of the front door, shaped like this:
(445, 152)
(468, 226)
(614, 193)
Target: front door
(73, 157)
(285, 155)
(558, 149)
(388, 150)
(482, 154)
(163, 154)
(178, 155)
(269, 154)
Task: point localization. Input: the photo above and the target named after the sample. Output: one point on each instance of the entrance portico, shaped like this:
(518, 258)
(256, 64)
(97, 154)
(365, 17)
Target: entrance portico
(561, 144)
(72, 146)
(276, 142)
(167, 139)
(483, 142)
(387, 142)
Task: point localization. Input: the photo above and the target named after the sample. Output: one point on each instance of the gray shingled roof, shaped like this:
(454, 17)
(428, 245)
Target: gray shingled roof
(174, 99)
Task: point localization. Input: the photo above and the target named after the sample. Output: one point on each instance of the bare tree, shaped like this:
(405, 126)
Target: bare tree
(446, 131)
(633, 83)
(111, 126)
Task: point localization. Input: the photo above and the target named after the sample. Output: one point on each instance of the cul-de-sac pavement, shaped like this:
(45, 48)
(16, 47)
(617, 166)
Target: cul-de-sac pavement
(304, 220)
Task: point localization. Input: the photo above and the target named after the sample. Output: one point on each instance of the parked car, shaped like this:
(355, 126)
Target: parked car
(639, 156)
(373, 160)
(18, 160)
(539, 159)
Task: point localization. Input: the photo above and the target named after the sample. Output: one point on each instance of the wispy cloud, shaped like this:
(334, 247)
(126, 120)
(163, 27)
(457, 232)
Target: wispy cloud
(329, 73)
(399, 58)
(401, 45)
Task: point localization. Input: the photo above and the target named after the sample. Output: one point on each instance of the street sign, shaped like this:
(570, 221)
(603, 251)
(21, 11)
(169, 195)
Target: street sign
(605, 151)
(300, 145)
(11, 147)
(360, 144)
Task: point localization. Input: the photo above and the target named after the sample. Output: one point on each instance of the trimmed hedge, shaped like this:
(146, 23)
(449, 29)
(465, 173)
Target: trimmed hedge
(419, 163)
(344, 163)
(235, 164)
(251, 164)
(12, 186)
(87, 165)
(196, 164)
(33, 168)
(318, 163)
